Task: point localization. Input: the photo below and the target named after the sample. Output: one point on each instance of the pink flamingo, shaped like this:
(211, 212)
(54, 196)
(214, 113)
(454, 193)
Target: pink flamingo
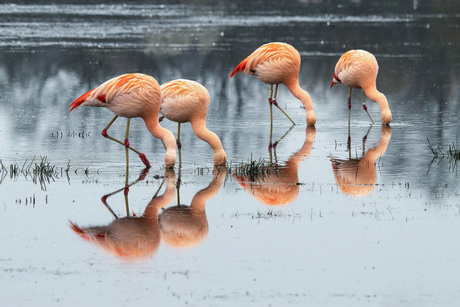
(359, 69)
(276, 63)
(132, 95)
(131, 238)
(188, 101)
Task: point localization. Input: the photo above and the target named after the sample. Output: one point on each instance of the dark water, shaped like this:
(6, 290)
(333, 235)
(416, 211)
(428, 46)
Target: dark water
(304, 233)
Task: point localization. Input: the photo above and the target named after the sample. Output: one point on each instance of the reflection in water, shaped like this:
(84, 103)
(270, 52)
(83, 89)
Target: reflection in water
(357, 177)
(184, 226)
(132, 237)
(280, 185)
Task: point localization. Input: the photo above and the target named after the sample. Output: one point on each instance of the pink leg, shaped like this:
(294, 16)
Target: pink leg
(125, 143)
(349, 116)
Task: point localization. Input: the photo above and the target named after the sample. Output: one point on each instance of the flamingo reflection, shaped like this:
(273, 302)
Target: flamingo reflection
(187, 226)
(131, 237)
(357, 177)
(280, 185)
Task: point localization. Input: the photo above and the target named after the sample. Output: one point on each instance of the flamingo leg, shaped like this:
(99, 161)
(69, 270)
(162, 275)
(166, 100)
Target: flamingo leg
(349, 116)
(365, 139)
(276, 104)
(178, 187)
(106, 135)
(126, 143)
(125, 190)
(270, 101)
(179, 145)
(365, 107)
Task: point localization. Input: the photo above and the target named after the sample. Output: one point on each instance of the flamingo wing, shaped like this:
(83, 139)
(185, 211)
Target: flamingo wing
(183, 100)
(109, 90)
(283, 58)
(353, 67)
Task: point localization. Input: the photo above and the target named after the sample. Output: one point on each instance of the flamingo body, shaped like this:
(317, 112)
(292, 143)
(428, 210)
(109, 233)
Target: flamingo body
(356, 177)
(132, 95)
(132, 238)
(272, 63)
(279, 186)
(184, 101)
(359, 69)
(188, 101)
(276, 63)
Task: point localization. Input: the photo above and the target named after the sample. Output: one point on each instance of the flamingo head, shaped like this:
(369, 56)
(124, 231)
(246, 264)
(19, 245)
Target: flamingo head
(335, 80)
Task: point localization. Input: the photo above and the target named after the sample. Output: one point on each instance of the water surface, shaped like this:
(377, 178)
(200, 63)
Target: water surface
(373, 224)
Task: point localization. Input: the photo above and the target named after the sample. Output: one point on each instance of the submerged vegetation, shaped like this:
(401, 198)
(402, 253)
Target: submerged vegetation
(269, 214)
(452, 154)
(253, 170)
(40, 171)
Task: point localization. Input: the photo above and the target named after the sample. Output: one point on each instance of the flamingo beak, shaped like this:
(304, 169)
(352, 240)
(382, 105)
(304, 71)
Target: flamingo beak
(334, 80)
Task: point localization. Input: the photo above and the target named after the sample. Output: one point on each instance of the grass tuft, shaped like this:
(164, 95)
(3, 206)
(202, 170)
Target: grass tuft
(254, 169)
(452, 154)
(41, 172)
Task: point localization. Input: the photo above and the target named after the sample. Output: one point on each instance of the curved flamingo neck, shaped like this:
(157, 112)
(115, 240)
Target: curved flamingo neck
(202, 132)
(378, 150)
(374, 95)
(200, 198)
(166, 137)
(156, 203)
(303, 153)
(301, 94)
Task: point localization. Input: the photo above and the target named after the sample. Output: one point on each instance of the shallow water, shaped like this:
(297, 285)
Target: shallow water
(373, 225)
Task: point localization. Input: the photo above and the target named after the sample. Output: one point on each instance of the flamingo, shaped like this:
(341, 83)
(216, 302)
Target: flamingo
(279, 186)
(188, 101)
(276, 63)
(131, 238)
(359, 69)
(187, 226)
(132, 95)
(356, 177)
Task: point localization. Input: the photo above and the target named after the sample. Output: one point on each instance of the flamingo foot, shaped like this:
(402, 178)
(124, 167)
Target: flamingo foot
(144, 159)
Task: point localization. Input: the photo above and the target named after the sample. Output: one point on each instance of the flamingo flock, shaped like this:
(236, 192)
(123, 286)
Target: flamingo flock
(139, 95)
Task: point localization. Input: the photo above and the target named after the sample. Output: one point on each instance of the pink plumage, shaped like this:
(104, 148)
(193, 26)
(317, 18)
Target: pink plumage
(188, 101)
(132, 95)
(359, 69)
(276, 63)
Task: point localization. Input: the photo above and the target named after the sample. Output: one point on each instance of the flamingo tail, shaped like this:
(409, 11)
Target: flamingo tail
(239, 68)
(78, 230)
(79, 101)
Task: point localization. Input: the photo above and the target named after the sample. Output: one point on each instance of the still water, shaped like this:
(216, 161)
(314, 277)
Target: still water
(373, 223)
